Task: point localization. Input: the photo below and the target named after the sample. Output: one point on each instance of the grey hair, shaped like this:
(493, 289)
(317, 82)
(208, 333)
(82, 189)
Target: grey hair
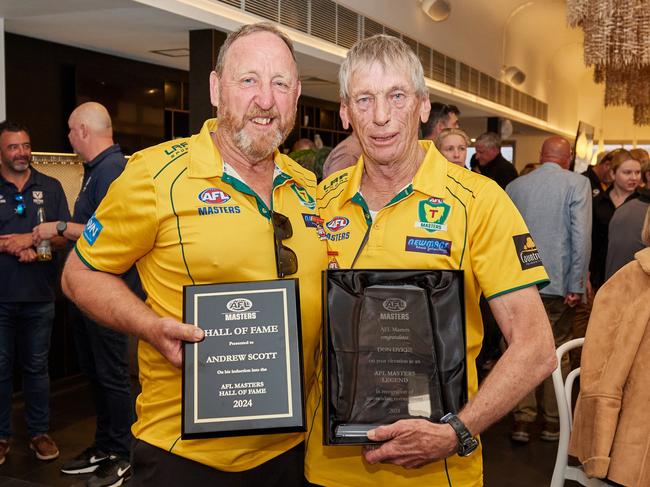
(391, 52)
(247, 30)
(489, 139)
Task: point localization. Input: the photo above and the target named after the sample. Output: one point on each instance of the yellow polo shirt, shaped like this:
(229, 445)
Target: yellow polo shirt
(447, 218)
(183, 220)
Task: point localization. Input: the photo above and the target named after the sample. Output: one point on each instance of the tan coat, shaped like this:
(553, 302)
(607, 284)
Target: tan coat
(611, 432)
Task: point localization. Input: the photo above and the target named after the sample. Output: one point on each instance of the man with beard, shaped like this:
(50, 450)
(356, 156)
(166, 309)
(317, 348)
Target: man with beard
(205, 210)
(406, 207)
(26, 288)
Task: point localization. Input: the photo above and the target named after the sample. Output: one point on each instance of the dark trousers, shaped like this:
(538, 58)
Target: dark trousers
(103, 358)
(25, 331)
(153, 467)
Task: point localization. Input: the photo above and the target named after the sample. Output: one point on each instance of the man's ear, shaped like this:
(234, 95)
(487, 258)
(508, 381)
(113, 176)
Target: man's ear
(425, 109)
(298, 92)
(214, 89)
(343, 113)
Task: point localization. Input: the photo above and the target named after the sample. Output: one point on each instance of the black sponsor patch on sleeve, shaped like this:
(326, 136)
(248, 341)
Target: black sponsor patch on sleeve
(527, 251)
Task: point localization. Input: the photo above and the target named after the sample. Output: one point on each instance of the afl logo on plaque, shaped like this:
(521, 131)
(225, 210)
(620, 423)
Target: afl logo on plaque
(394, 305)
(239, 304)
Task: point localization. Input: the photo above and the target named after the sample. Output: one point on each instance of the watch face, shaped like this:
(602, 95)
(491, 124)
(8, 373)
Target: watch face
(60, 227)
(467, 447)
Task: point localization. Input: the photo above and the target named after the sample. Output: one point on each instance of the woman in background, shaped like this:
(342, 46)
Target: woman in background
(626, 174)
(452, 143)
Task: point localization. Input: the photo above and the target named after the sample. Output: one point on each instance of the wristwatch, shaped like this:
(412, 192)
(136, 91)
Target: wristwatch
(61, 228)
(466, 442)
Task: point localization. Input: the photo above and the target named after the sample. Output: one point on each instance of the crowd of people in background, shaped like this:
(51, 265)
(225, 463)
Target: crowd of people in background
(578, 233)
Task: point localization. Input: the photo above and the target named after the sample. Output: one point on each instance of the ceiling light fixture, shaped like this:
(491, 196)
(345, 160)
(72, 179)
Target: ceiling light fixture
(438, 10)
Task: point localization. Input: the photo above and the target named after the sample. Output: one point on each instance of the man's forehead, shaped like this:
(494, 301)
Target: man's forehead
(9, 137)
(374, 77)
(246, 52)
(451, 120)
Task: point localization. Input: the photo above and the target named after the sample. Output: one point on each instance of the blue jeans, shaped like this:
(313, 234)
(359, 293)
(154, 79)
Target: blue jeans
(103, 357)
(25, 331)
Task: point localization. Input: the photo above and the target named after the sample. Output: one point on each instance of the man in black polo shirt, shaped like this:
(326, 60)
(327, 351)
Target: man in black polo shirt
(26, 287)
(102, 352)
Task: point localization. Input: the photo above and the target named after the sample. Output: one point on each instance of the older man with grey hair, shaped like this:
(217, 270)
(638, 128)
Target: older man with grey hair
(490, 161)
(406, 207)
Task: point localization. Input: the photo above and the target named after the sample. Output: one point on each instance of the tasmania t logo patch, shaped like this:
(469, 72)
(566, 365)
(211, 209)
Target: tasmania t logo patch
(433, 214)
(304, 197)
(527, 251)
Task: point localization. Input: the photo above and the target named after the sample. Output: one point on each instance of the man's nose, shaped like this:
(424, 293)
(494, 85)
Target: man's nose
(264, 97)
(381, 115)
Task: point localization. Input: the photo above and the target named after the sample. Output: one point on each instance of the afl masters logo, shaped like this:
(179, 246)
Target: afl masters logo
(395, 308)
(239, 310)
(239, 304)
(394, 304)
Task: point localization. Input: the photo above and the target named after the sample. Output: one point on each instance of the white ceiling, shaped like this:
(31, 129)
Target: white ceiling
(536, 37)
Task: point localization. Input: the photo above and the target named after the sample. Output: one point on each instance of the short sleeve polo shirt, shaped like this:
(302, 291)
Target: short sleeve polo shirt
(184, 221)
(32, 281)
(99, 174)
(447, 218)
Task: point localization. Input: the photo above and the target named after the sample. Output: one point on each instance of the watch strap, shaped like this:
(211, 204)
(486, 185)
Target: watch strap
(466, 442)
(61, 227)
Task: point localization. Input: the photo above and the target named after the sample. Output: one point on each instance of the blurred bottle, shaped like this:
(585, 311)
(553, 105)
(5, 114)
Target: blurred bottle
(318, 142)
(44, 248)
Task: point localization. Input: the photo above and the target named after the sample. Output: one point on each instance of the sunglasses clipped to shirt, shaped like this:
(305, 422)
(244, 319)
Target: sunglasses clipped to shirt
(286, 260)
(20, 208)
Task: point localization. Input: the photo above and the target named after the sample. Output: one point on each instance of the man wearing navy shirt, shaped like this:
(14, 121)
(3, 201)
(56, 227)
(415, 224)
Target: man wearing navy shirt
(102, 352)
(27, 287)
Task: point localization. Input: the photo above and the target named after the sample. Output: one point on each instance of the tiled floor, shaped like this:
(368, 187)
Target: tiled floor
(506, 464)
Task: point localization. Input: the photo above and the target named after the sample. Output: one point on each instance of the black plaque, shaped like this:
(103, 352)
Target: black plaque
(245, 377)
(394, 349)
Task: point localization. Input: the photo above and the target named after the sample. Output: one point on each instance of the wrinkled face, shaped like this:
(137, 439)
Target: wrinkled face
(15, 151)
(454, 148)
(384, 111)
(627, 176)
(257, 94)
(485, 154)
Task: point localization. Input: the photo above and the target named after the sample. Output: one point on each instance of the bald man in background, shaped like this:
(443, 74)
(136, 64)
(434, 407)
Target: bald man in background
(102, 353)
(556, 205)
